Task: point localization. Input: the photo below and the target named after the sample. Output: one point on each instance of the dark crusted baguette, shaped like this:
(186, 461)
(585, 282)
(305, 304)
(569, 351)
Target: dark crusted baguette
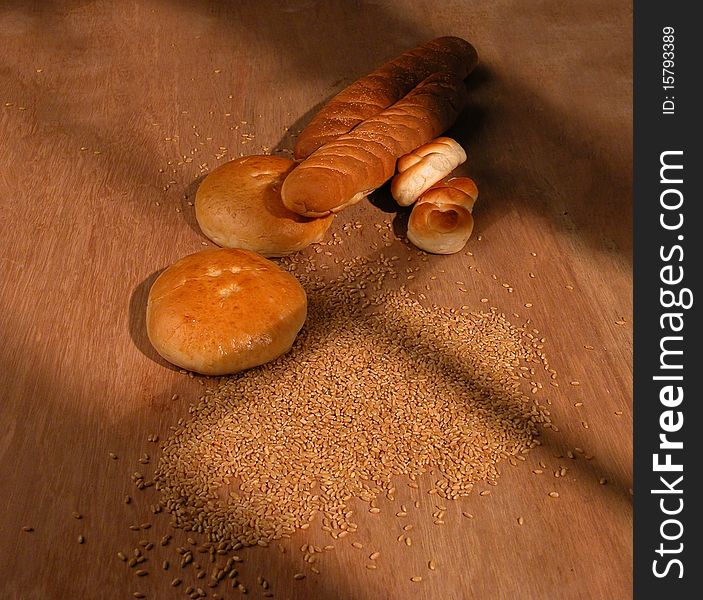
(379, 90)
(350, 167)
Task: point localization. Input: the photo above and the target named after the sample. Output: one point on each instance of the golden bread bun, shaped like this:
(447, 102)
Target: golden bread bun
(441, 221)
(224, 310)
(239, 205)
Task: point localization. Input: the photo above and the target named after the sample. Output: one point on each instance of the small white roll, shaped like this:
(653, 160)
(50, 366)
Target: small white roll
(425, 166)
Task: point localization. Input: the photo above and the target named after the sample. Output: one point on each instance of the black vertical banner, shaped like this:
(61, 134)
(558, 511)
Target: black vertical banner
(668, 428)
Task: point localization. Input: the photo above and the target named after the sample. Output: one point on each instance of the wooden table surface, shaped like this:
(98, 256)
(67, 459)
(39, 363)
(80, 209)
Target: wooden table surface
(110, 114)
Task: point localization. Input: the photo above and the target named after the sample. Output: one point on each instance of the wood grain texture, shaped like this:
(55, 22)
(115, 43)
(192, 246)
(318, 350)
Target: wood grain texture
(110, 113)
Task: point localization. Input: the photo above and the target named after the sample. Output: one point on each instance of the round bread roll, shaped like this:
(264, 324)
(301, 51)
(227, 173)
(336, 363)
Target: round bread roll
(224, 310)
(239, 205)
(441, 221)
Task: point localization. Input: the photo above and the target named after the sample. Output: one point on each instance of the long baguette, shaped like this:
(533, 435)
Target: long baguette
(350, 167)
(377, 91)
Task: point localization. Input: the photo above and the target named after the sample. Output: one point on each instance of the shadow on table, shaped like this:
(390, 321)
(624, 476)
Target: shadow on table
(137, 321)
(525, 152)
(528, 156)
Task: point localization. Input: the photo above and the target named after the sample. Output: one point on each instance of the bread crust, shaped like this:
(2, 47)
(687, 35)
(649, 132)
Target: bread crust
(224, 310)
(238, 205)
(441, 221)
(374, 93)
(420, 169)
(350, 167)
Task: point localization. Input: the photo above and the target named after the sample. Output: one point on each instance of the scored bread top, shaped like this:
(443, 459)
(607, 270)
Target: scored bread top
(220, 311)
(375, 92)
(348, 168)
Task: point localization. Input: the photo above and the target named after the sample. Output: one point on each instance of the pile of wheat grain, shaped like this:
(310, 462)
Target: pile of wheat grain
(377, 387)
